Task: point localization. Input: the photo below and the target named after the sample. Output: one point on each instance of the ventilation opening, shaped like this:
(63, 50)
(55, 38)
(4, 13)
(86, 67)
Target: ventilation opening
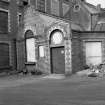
(76, 8)
(25, 3)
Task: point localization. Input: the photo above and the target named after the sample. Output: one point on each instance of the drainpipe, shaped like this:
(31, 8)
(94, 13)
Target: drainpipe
(91, 15)
(70, 15)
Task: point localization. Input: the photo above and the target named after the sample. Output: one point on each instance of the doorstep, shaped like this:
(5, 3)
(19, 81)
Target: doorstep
(54, 76)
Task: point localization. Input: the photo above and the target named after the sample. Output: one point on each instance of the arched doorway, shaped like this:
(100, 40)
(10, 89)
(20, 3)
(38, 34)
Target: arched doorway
(57, 52)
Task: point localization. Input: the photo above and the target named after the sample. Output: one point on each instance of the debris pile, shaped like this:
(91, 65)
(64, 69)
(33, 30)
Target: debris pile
(97, 70)
(93, 70)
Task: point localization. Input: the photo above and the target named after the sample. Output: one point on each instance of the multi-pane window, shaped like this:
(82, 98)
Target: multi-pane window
(93, 53)
(3, 22)
(55, 7)
(56, 37)
(4, 54)
(41, 5)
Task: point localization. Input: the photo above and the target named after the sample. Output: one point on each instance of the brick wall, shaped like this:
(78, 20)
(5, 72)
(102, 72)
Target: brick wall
(20, 54)
(10, 36)
(78, 48)
(76, 52)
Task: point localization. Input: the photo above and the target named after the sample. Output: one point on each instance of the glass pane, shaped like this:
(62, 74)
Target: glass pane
(30, 47)
(57, 38)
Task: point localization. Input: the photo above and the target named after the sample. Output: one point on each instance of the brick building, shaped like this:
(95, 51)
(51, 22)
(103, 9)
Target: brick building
(61, 36)
(10, 14)
(54, 36)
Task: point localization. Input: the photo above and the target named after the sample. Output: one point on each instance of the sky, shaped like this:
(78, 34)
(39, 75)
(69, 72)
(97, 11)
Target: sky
(95, 2)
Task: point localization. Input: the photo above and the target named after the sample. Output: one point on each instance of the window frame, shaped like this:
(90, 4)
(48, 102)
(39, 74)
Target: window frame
(7, 11)
(54, 33)
(9, 45)
(39, 51)
(92, 40)
(29, 36)
(58, 9)
(26, 57)
(45, 9)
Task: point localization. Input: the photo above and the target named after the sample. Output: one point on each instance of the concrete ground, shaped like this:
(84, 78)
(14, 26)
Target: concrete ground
(72, 90)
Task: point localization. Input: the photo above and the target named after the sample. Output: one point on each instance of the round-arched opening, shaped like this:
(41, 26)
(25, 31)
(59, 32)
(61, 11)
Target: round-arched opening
(29, 34)
(30, 46)
(77, 8)
(56, 37)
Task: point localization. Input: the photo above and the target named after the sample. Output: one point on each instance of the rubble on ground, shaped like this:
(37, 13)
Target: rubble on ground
(93, 71)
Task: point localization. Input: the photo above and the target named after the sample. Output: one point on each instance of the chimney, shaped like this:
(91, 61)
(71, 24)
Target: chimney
(99, 7)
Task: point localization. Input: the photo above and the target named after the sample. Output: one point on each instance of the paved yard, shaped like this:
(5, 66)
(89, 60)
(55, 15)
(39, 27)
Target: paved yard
(68, 91)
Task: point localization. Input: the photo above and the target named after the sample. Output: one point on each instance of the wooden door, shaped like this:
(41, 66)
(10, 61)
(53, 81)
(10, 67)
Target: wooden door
(57, 60)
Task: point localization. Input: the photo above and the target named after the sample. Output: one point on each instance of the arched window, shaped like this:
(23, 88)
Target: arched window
(30, 46)
(3, 21)
(56, 37)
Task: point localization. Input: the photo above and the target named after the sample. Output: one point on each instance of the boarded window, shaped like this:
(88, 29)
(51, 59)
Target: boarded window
(30, 49)
(41, 5)
(55, 7)
(4, 54)
(93, 53)
(3, 22)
